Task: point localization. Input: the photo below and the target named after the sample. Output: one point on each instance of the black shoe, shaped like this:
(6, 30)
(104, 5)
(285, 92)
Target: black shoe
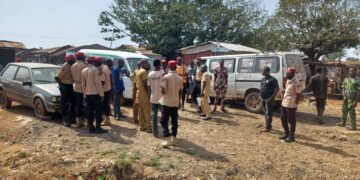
(117, 118)
(284, 136)
(122, 116)
(202, 115)
(100, 130)
(91, 130)
(290, 139)
(66, 123)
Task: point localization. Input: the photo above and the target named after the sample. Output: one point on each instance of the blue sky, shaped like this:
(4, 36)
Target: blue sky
(51, 23)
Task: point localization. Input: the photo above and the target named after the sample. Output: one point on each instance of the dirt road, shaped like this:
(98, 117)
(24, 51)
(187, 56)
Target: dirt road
(230, 146)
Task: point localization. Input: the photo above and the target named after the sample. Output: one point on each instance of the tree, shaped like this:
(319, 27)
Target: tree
(168, 25)
(352, 59)
(315, 27)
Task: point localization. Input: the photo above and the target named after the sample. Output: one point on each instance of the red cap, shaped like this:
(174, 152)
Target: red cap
(18, 60)
(80, 56)
(98, 59)
(69, 58)
(172, 63)
(291, 70)
(91, 58)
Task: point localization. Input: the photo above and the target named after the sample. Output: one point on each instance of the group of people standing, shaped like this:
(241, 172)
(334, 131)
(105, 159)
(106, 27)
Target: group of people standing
(318, 84)
(87, 87)
(167, 88)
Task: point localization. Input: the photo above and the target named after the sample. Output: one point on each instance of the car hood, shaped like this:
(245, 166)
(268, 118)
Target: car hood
(50, 88)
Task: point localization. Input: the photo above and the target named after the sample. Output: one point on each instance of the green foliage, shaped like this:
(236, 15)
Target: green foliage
(154, 161)
(168, 25)
(316, 27)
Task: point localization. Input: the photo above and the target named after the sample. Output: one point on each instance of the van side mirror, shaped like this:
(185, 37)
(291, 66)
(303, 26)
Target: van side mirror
(27, 83)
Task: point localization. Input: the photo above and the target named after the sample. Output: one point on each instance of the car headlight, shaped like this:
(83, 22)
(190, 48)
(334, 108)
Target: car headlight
(55, 99)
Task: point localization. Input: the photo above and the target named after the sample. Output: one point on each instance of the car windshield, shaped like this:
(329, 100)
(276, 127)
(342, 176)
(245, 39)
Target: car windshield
(44, 75)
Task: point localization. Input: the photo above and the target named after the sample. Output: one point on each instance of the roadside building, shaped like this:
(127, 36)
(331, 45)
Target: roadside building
(212, 48)
(8, 50)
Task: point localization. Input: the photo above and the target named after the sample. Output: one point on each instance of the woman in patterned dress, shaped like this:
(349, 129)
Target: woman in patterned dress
(220, 85)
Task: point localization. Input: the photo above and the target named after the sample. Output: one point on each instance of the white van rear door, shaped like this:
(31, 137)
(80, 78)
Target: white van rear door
(295, 61)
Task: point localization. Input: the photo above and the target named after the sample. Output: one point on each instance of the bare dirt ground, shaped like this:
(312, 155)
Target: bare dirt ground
(230, 146)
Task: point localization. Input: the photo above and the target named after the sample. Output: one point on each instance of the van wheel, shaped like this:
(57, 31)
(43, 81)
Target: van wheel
(39, 109)
(5, 103)
(253, 102)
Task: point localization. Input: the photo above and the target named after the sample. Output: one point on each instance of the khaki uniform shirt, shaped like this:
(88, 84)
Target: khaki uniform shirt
(64, 74)
(91, 81)
(206, 79)
(76, 71)
(172, 83)
(141, 96)
(105, 77)
(293, 87)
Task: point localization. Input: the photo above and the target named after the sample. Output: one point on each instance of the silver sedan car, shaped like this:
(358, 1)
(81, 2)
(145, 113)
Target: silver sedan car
(31, 84)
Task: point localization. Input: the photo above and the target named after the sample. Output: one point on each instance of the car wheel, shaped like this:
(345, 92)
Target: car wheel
(4, 101)
(39, 109)
(253, 102)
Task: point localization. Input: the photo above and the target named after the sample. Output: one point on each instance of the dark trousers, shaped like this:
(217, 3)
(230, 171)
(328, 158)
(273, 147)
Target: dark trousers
(93, 104)
(154, 112)
(79, 104)
(168, 112)
(269, 109)
(117, 101)
(288, 117)
(106, 103)
(183, 94)
(196, 93)
(68, 102)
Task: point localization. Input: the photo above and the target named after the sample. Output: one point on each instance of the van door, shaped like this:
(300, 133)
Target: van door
(245, 76)
(294, 60)
(229, 63)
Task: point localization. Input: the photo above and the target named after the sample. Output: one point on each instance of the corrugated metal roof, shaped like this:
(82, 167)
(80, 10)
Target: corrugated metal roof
(11, 44)
(229, 46)
(50, 50)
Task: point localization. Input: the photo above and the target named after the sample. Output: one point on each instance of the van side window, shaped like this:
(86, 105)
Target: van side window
(228, 63)
(272, 62)
(246, 65)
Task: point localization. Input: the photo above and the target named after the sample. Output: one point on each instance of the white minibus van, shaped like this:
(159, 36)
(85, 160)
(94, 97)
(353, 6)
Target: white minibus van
(245, 74)
(131, 61)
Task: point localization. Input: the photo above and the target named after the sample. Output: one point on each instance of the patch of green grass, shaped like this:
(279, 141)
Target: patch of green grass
(22, 154)
(218, 166)
(104, 153)
(126, 159)
(102, 177)
(154, 161)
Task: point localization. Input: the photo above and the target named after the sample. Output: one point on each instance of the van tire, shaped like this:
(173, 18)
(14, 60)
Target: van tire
(253, 102)
(4, 101)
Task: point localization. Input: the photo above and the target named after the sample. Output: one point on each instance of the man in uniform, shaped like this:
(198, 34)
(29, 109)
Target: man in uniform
(76, 70)
(106, 77)
(171, 90)
(318, 84)
(205, 93)
(143, 97)
(269, 87)
(65, 80)
(94, 94)
(135, 105)
(289, 105)
(155, 78)
(351, 87)
(182, 71)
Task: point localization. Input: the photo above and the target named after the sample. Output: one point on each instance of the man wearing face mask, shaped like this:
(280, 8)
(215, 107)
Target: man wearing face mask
(289, 105)
(143, 97)
(65, 80)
